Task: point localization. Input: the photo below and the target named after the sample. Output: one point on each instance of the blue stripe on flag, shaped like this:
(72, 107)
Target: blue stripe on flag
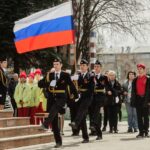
(55, 25)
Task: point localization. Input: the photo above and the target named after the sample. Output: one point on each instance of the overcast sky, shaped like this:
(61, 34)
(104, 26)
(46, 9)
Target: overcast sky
(121, 39)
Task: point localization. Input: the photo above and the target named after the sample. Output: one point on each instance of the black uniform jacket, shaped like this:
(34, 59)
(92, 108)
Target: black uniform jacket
(86, 85)
(134, 93)
(116, 92)
(100, 89)
(59, 92)
(3, 86)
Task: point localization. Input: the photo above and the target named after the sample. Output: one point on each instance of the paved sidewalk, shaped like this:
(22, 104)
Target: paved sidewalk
(120, 141)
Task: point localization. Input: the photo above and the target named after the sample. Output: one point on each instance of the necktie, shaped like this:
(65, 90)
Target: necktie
(83, 75)
(56, 76)
(96, 76)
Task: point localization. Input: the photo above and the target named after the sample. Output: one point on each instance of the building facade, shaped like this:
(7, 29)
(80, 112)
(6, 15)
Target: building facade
(122, 61)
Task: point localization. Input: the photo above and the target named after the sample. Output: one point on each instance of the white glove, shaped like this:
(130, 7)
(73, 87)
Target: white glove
(117, 99)
(53, 83)
(77, 98)
(75, 77)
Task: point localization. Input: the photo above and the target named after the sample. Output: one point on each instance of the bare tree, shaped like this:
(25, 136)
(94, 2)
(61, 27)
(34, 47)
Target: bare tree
(118, 15)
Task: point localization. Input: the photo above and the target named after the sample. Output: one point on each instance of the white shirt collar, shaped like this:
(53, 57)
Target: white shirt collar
(58, 73)
(98, 75)
(83, 74)
(4, 69)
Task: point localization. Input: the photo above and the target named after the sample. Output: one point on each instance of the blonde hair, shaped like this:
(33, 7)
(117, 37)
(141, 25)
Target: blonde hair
(112, 72)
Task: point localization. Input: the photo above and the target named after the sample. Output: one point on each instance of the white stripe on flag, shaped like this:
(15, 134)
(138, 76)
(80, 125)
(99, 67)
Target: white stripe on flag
(61, 10)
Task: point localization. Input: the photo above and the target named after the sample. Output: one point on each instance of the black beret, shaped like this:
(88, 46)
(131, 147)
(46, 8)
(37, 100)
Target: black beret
(3, 58)
(98, 63)
(57, 60)
(83, 61)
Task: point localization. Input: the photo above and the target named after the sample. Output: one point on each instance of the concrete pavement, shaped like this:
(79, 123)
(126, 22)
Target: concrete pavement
(120, 141)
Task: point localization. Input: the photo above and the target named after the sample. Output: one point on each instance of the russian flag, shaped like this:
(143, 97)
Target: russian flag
(47, 28)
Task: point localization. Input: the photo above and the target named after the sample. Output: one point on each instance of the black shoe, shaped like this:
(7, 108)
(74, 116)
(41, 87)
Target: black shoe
(116, 131)
(75, 134)
(110, 131)
(43, 128)
(99, 138)
(135, 130)
(73, 125)
(92, 128)
(140, 135)
(104, 129)
(130, 130)
(92, 134)
(58, 145)
(85, 141)
(147, 135)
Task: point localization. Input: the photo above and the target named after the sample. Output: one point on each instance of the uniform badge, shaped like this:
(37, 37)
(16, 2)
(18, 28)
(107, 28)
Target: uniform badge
(85, 81)
(62, 81)
(102, 82)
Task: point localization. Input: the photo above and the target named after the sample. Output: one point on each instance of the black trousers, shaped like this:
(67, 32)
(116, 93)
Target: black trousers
(142, 116)
(113, 116)
(2, 99)
(80, 119)
(91, 112)
(105, 119)
(96, 118)
(119, 111)
(14, 107)
(73, 112)
(53, 118)
(83, 127)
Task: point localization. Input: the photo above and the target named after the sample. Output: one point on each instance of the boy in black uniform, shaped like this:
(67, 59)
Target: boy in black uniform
(56, 83)
(86, 89)
(3, 81)
(98, 98)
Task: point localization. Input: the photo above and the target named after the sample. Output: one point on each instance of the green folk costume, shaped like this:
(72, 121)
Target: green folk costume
(40, 98)
(21, 94)
(32, 94)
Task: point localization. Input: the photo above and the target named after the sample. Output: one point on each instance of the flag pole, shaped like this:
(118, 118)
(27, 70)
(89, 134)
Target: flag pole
(74, 45)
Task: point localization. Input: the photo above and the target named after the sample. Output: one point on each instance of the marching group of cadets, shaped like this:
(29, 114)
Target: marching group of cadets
(85, 93)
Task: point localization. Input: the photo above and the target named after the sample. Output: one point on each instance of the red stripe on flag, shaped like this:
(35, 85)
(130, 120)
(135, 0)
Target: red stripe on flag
(45, 41)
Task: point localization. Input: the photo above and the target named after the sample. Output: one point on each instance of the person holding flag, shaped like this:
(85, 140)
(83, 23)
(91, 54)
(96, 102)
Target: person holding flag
(56, 83)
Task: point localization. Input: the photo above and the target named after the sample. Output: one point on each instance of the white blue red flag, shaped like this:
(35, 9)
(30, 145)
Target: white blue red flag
(47, 28)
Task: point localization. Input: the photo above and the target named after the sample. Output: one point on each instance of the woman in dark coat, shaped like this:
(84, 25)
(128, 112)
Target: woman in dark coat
(113, 91)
